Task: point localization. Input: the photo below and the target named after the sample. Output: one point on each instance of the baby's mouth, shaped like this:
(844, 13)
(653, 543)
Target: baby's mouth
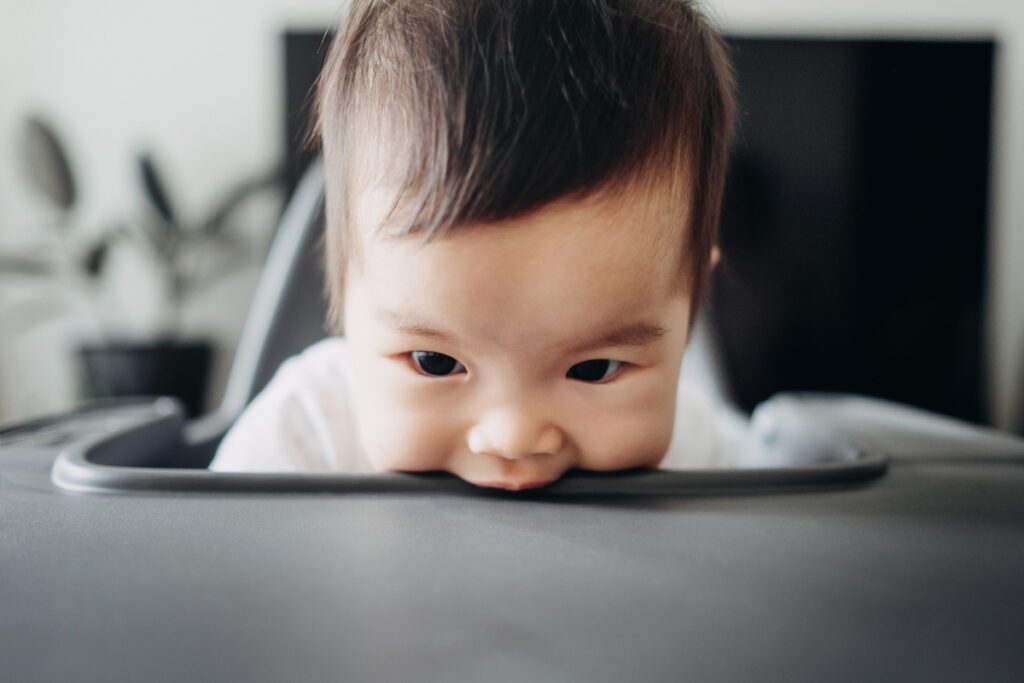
(533, 472)
(514, 483)
(513, 486)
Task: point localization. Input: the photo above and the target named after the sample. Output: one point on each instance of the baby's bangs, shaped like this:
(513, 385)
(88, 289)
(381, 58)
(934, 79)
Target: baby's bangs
(494, 110)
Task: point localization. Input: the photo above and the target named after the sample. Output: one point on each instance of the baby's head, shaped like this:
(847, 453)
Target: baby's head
(522, 205)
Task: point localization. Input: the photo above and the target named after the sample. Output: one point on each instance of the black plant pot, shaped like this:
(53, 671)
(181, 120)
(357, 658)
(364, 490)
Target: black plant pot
(161, 368)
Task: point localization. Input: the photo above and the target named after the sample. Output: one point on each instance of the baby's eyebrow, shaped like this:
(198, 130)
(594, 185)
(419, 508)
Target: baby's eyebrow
(407, 325)
(641, 333)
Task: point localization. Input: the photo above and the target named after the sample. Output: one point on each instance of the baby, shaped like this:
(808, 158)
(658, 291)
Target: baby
(522, 207)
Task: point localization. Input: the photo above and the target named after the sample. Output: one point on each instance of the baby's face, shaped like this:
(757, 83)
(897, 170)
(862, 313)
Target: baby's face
(510, 353)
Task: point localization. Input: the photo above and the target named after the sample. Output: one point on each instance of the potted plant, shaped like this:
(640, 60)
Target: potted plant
(186, 258)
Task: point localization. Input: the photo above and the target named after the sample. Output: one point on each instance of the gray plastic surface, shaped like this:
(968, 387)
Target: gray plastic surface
(915, 575)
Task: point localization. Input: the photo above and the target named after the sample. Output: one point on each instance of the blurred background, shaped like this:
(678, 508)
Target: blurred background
(873, 230)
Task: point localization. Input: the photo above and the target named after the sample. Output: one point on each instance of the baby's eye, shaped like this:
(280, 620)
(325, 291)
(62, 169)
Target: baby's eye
(435, 364)
(594, 370)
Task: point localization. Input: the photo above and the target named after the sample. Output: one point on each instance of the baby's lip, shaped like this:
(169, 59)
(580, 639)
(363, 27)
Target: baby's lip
(514, 486)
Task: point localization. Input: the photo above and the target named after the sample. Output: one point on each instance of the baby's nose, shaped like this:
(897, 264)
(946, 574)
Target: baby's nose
(514, 435)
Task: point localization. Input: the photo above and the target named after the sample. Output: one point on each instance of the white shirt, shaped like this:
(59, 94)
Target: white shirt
(303, 422)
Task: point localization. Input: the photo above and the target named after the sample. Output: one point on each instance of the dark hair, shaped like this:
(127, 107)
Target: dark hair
(500, 107)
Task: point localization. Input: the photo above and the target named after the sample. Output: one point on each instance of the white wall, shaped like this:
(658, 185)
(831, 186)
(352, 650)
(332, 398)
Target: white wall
(199, 82)
(196, 81)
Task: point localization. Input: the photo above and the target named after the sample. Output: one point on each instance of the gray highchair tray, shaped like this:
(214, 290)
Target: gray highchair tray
(899, 557)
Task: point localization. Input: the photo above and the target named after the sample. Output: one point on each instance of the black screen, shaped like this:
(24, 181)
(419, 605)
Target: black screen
(855, 221)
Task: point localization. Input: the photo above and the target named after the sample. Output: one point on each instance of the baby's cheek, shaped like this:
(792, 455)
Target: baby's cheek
(637, 436)
(400, 433)
(626, 443)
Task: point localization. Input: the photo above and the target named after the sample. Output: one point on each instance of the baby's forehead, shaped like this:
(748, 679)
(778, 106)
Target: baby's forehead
(651, 213)
(607, 255)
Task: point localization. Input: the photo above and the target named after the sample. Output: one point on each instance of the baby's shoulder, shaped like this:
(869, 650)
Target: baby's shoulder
(325, 362)
(319, 379)
(300, 421)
